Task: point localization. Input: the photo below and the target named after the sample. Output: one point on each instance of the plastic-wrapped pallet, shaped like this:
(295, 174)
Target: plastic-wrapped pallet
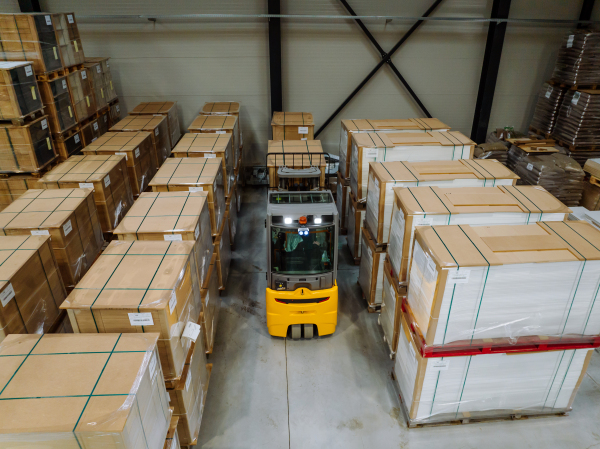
(106, 83)
(155, 125)
(406, 147)
(522, 148)
(226, 124)
(82, 391)
(496, 151)
(578, 119)
(223, 251)
(441, 389)
(58, 105)
(221, 108)
(577, 61)
(475, 206)
(549, 100)
(370, 274)
(211, 303)
(166, 108)
(82, 94)
(356, 216)
(505, 284)
(27, 148)
(342, 200)
(385, 176)
(19, 92)
(391, 308)
(295, 154)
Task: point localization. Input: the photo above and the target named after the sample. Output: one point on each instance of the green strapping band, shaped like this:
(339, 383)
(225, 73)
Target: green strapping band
(528, 210)
(443, 204)
(413, 195)
(462, 149)
(463, 387)
(563, 381)
(435, 391)
(553, 379)
(485, 178)
(410, 171)
(21, 364)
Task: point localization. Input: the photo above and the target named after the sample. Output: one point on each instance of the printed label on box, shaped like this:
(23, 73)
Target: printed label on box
(207, 298)
(107, 181)
(173, 237)
(28, 70)
(197, 231)
(44, 124)
(98, 68)
(191, 331)
(220, 132)
(83, 75)
(172, 302)
(371, 152)
(48, 20)
(102, 92)
(575, 98)
(77, 139)
(70, 18)
(121, 154)
(86, 185)
(423, 221)
(105, 118)
(40, 232)
(7, 294)
(64, 84)
(33, 95)
(529, 166)
(95, 138)
(137, 152)
(141, 319)
(549, 92)
(459, 276)
(195, 189)
(570, 41)
(95, 126)
(67, 227)
(210, 156)
(303, 130)
(156, 131)
(439, 365)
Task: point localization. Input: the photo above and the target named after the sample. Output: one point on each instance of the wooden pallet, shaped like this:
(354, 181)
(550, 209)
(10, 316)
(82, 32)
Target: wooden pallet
(381, 247)
(576, 148)
(58, 73)
(540, 132)
(36, 174)
(574, 87)
(371, 308)
(209, 367)
(95, 116)
(20, 121)
(595, 181)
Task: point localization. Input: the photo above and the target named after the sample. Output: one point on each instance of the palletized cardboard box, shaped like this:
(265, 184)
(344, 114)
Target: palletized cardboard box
(210, 145)
(342, 200)
(68, 216)
(82, 94)
(370, 274)
(168, 108)
(220, 124)
(211, 305)
(232, 215)
(470, 285)
(172, 216)
(476, 206)
(223, 251)
(293, 126)
(158, 128)
(31, 290)
(172, 440)
(57, 104)
(295, 154)
(69, 41)
(27, 148)
(98, 82)
(19, 93)
(356, 217)
(82, 391)
(109, 92)
(391, 308)
(91, 131)
(226, 108)
(350, 127)
(114, 114)
(195, 175)
(14, 186)
(141, 286)
(106, 175)
(68, 144)
(591, 196)
(138, 151)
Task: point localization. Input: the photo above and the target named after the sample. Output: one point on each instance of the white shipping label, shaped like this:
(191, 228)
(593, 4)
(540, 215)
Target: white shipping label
(549, 92)
(64, 84)
(48, 20)
(107, 181)
(439, 365)
(28, 71)
(195, 189)
(121, 154)
(67, 228)
(303, 130)
(141, 319)
(210, 156)
(152, 367)
(304, 138)
(191, 331)
(86, 185)
(83, 75)
(173, 237)
(77, 139)
(118, 108)
(95, 126)
(156, 132)
(197, 231)
(459, 276)
(570, 41)
(530, 167)
(98, 68)
(220, 132)
(7, 294)
(370, 152)
(137, 152)
(44, 124)
(575, 98)
(423, 221)
(41, 232)
(70, 18)
(172, 302)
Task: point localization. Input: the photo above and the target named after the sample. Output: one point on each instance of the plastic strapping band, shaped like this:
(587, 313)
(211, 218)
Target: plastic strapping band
(443, 204)
(528, 210)
(375, 145)
(21, 364)
(145, 215)
(463, 387)
(563, 381)
(435, 390)
(413, 195)
(173, 174)
(462, 149)
(410, 171)
(31, 200)
(12, 148)
(553, 379)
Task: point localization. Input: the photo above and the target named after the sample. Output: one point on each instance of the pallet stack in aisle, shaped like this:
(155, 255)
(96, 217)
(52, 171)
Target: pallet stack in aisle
(295, 154)
(166, 108)
(156, 125)
(223, 108)
(293, 126)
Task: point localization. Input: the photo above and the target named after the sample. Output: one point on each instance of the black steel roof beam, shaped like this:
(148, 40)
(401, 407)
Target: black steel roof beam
(586, 12)
(29, 6)
(275, 77)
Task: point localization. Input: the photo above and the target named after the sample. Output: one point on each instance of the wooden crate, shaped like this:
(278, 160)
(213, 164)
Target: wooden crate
(293, 126)
(195, 174)
(69, 217)
(138, 151)
(220, 125)
(58, 104)
(69, 143)
(92, 131)
(168, 108)
(209, 145)
(110, 94)
(107, 175)
(31, 287)
(300, 154)
(82, 95)
(19, 91)
(158, 128)
(27, 148)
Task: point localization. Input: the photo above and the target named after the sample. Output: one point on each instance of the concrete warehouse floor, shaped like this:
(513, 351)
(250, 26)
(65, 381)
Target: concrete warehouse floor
(336, 391)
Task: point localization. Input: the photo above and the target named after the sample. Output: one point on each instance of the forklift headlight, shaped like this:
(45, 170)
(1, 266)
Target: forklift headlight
(317, 221)
(287, 220)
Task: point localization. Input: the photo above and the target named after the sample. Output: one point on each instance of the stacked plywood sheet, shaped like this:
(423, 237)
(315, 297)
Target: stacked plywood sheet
(158, 128)
(166, 108)
(293, 126)
(19, 93)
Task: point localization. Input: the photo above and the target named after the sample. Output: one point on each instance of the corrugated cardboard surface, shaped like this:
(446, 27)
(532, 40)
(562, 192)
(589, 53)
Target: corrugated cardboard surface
(410, 124)
(289, 126)
(156, 125)
(221, 107)
(390, 139)
(168, 108)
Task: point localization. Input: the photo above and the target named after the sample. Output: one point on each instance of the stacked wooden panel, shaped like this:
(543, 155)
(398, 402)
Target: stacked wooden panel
(158, 128)
(166, 108)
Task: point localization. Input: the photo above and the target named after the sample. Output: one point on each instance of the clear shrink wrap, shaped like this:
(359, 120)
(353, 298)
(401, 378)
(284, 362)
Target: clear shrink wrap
(392, 297)
(106, 83)
(579, 119)
(157, 126)
(82, 94)
(297, 155)
(232, 215)
(548, 104)
(211, 305)
(69, 144)
(350, 127)
(27, 148)
(172, 440)
(370, 274)
(58, 105)
(141, 286)
(577, 60)
(293, 126)
(495, 150)
(405, 147)
(221, 108)
(83, 391)
(14, 186)
(19, 91)
(219, 124)
(342, 200)
(385, 176)
(355, 218)
(475, 206)
(223, 251)
(166, 108)
(195, 174)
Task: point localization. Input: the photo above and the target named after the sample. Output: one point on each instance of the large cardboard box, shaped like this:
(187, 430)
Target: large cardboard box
(210, 145)
(82, 391)
(107, 175)
(82, 94)
(502, 284)
(391, 308)
(355, 219)
(293, 126)
(211, 305)
(27, 148)
(69, 40)
(475, 206)
(14, 186)
(108, 91)
(223, 252)
(57, 104)
(157, 126)
(31, 290)
(141, 286)
(295, 154)
(350, 127)
(68, 144)
(69, 217)
(139, 155)
(342, 199)
(19, 93)
(370, 274)
(172, 216)
(167, 108)
(224, 124)
(226, 108)
(232, 215)
(195, 175)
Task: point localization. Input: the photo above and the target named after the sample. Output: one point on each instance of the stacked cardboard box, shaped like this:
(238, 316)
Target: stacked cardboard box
(19, 92)
(58, 104)
(293, 126)
(550, 98)
(82, 94)
(105, 83)
(223, 253)
(166, 108)
(226, 108)
(355, 217)
(220, 125)
(12, 187)
(27, 148)
(295, 155)
(577, 60)
(172, 440)
(158, 128)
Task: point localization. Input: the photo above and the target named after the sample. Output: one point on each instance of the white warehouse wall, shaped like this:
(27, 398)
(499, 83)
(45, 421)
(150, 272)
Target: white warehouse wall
(323, 61)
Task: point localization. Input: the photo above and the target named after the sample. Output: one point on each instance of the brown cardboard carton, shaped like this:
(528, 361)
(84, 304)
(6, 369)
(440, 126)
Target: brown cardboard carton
(57, 104)
(19, 92)
(107, 175)
(31, 290)
(211, 305)
(232, 215)
(157, 126)
(110, 94)
(356, 217)
(27, 148)
(14, 186)
(82, 94)
(293, 126)
(167, 108)
(342, 200)
(68, 144)
(391, 308)
(226, 108)
(69, 217)
(295, 154)
(370, 275)
(195, 175)
(591, 196)
(141, 286)
(82, 391)
(220, 124)
(223, 251)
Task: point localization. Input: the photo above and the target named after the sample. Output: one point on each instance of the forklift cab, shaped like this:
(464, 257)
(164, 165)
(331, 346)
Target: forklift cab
(302, 253)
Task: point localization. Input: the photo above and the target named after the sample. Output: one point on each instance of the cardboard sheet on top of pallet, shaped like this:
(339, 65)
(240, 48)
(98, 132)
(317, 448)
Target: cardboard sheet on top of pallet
(168, 108)
(210, 145)
(294, 154)
(141, 286)
(350, 127)
(107, 175)
(293, 126)
(475, 206)
(194, 175)
(406, 147)
(31, 290)
(115, 390)
(225, 108)
(158, 128)
(485, 385)
(68, 216)
(139, 155)
(19, 92)
(171, 216)
(505, 282)
(27, 148)
(219, 124)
